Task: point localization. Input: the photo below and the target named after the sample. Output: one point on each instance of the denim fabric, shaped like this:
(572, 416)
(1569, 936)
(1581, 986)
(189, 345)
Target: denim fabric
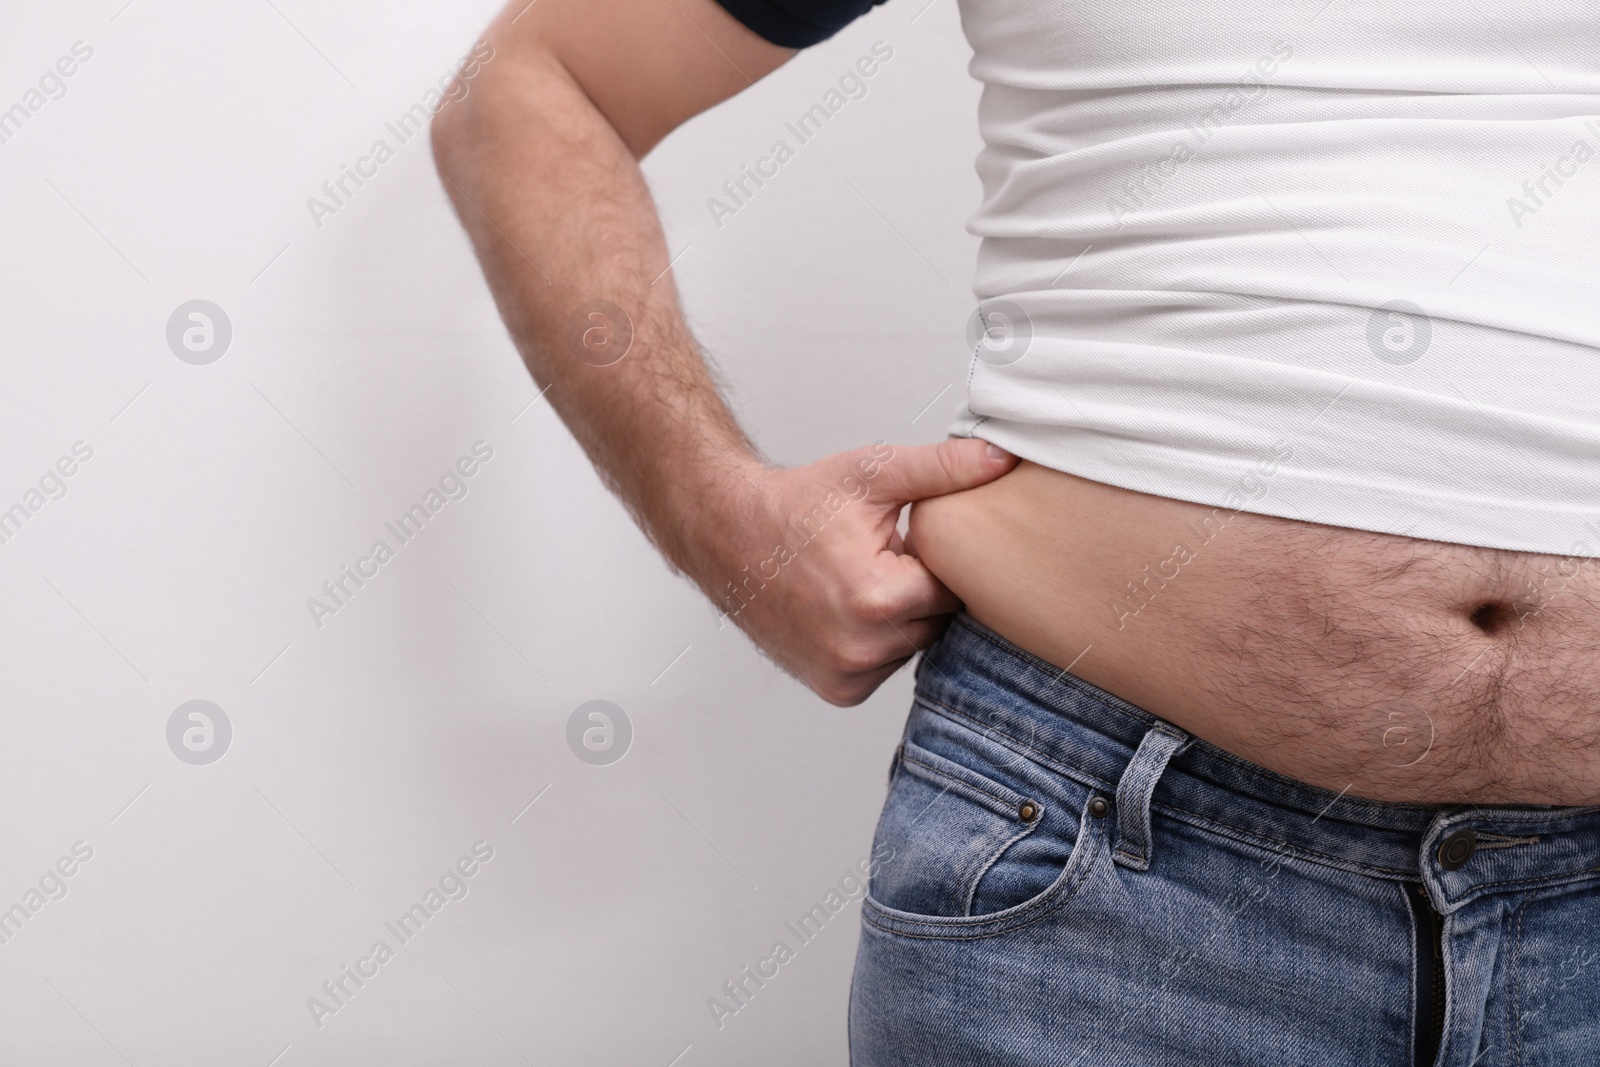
(1022, 914)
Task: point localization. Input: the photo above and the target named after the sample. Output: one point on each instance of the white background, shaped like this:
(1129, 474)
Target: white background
(370, 754)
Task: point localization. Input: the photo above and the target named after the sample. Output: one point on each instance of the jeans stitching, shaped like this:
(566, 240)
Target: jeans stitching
(907, 757)
(1548, 882)
(938, 707)
(1514, 1029)
(876, 915)
(1141, 777)
(1235, 833)
(967, 881)
(972, 891)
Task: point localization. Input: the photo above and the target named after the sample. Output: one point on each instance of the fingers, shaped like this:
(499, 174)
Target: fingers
(916, 593)
(915, 472)
(875, 658)
(850, 608)
(903, 610)
(918, 634)
(855, 691)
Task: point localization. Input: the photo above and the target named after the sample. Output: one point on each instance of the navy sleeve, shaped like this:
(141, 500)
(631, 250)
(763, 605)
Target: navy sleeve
(780, 23)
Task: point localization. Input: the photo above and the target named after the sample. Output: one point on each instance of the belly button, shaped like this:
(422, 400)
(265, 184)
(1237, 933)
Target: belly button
(1493, 616)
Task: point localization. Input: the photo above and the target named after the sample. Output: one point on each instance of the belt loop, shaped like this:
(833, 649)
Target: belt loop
(1138, 784)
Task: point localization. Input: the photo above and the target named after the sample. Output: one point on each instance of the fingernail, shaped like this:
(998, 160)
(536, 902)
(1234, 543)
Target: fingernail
(996, 452)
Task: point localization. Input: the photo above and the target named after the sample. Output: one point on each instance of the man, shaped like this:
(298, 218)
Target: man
(1267, 732)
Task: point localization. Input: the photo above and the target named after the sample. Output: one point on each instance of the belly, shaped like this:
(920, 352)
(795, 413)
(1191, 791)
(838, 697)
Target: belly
(1377, 665)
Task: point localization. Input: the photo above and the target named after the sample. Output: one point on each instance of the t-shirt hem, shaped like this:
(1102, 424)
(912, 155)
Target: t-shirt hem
(1415, 511)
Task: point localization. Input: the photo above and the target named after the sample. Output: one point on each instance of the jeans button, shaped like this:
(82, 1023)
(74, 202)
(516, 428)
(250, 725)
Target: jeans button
(1457, 849)
(1098, 807)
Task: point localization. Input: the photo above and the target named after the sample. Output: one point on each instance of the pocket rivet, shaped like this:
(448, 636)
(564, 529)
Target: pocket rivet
(1028, 811)
(1098, 807)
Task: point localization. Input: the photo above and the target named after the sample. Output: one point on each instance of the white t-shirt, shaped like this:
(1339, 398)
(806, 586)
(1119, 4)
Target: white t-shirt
(1331, 260)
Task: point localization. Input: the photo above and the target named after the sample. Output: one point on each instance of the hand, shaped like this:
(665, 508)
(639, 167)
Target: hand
(809, 562)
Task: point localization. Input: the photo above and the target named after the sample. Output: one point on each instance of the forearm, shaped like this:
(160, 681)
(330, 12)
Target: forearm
(560, 216)
(540, 159)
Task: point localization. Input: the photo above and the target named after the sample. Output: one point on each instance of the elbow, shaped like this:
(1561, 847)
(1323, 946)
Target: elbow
(450, 134)
(500, 112)
(462, 127)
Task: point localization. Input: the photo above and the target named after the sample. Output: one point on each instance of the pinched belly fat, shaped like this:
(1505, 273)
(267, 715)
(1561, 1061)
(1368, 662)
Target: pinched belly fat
(1381, 666)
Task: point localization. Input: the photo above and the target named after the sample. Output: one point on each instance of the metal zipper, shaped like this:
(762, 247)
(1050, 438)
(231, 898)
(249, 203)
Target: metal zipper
(1430, 980)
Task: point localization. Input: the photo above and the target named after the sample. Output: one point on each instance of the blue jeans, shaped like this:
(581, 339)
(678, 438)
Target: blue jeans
(1061, 878)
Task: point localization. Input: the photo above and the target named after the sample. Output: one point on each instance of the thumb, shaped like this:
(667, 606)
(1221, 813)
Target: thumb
(914, 472)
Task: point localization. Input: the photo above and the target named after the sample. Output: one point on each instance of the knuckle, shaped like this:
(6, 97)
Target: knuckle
(849, 694)
(854, 658)
(864, 610)
(873, 602)
(840, 696)
(949, 453)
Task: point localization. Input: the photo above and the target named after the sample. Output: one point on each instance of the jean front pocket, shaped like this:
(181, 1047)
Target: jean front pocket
(955, 843)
